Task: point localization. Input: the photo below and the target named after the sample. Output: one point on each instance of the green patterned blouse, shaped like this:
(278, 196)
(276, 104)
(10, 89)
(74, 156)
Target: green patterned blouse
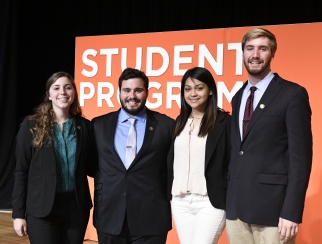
(65, 150)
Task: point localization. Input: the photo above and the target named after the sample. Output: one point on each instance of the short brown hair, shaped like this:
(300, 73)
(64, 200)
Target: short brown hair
(260, 32)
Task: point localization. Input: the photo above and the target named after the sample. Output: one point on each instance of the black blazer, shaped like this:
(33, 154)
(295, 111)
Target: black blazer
(216, 161)
(269, 170)
(35, 174)
(139, 193)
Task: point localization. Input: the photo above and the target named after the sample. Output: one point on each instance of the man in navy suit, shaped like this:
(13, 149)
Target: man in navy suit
(271, 161)
(130, 200)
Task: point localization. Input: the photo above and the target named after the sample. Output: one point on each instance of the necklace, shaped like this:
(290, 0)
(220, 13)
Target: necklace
(194, 117)
(195, 122)
(191, 127)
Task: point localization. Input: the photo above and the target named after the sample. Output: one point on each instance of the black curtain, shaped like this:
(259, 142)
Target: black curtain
(38, 39)
(8, 99)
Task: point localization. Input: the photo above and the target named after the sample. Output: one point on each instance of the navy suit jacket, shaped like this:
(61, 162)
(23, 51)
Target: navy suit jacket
(269, 170)
(139, 193)
(216, 161)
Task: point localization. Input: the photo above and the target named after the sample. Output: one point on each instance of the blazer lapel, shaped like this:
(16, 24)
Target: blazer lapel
(236, 109)
(107, 132)
(151, 125)
(79, 137)
(270, 93)
(110, 129)
(213, 138)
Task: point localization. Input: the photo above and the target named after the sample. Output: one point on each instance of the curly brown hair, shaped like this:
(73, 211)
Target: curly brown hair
(44, 116)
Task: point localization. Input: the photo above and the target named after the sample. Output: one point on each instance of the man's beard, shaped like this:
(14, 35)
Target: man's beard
(256, 72)
(136, 110)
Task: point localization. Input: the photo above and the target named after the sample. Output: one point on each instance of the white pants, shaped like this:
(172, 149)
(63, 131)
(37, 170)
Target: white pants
(196, 220)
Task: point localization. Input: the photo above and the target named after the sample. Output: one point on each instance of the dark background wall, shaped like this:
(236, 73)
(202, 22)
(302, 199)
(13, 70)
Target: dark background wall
(37, 38)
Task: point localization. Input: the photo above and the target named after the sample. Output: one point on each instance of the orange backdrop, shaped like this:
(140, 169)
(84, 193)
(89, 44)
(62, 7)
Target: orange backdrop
(165, 56)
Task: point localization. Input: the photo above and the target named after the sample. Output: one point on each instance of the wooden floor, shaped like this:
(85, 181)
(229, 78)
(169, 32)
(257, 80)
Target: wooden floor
(9, 236)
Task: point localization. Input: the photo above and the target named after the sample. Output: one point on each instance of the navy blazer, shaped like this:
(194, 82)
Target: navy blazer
(35, 174)
(139, 193)
(269, 170)
(216, 161)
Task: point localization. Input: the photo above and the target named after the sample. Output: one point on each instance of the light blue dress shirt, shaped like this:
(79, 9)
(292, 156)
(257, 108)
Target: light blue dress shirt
(122, 130)
(261, 88)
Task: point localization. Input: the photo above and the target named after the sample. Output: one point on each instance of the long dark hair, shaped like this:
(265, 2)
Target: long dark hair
(210, 114)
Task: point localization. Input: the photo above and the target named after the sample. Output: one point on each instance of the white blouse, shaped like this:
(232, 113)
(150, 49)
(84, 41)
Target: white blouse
(189, 162)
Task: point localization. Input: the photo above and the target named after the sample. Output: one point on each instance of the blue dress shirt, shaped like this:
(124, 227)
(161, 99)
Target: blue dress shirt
(122, 130)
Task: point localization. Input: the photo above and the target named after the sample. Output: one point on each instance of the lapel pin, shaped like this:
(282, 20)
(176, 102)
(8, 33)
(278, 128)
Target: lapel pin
(78, 127)
(150, 128)
(262, 106)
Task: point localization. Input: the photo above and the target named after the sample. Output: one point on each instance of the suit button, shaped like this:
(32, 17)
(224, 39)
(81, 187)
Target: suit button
(124, 194)
(241, 153)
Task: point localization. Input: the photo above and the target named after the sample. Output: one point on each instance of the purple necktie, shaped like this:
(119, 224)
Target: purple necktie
(248, 109)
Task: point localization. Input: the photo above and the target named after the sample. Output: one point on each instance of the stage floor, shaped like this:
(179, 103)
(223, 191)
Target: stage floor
(9, 236)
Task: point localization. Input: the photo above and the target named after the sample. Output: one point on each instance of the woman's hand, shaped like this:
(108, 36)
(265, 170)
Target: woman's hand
(20, 226)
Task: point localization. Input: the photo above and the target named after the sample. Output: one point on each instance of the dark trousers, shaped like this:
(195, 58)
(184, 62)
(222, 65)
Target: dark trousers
(65, 224)
(125, 237)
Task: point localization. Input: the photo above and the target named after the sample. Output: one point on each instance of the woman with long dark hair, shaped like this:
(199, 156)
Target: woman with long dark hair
(198, 161)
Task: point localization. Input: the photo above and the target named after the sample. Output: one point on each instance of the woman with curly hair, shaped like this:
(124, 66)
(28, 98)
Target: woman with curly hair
(51, 197)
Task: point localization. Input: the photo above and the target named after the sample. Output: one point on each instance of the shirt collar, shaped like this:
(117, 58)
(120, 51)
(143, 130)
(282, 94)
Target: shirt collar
(141, 116)
(263, 84)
